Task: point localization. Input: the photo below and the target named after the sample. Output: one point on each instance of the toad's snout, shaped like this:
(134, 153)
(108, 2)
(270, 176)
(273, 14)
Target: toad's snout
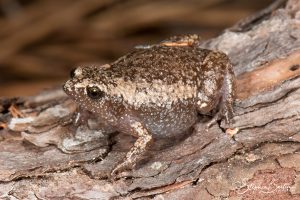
(67, 87)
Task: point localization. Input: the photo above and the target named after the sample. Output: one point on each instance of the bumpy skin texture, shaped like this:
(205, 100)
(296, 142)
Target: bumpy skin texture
(155, 92)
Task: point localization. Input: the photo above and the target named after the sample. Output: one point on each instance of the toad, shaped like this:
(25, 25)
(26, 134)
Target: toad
(156, 91)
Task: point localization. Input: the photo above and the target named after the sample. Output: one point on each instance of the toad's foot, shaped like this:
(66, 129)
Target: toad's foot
(185, 40)
(126, 165)
(226, 113)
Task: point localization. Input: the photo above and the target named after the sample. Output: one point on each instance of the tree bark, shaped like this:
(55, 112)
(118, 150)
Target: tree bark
(42, 156)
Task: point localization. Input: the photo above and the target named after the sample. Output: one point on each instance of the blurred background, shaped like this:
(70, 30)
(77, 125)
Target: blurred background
(42, 40)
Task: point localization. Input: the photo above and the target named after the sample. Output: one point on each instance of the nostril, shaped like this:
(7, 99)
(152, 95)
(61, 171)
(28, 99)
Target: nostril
(294, 67)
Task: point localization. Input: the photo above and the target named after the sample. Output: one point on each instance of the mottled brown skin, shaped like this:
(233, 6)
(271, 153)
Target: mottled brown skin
(155, 92)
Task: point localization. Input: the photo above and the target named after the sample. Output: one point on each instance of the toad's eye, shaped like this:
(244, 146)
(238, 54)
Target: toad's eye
(72, 73)
(94, 92)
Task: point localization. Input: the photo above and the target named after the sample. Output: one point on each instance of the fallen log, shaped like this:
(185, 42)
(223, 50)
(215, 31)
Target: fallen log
(42, 156)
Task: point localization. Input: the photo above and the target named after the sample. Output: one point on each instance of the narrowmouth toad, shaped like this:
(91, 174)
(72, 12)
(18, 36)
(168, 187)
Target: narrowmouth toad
(156, 91)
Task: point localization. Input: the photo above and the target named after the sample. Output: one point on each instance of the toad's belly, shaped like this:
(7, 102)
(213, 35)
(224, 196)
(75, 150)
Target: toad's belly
(166, 123)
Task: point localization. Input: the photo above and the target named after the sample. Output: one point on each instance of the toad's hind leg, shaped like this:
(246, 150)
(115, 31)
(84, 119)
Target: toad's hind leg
(228, 94)
(227, 97)
(176, 41)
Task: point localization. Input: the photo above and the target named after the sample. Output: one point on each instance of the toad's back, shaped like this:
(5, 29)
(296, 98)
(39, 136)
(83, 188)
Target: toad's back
(168, 64)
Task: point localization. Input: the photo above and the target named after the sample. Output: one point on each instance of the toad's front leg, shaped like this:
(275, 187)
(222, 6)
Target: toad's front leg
(139, 148)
